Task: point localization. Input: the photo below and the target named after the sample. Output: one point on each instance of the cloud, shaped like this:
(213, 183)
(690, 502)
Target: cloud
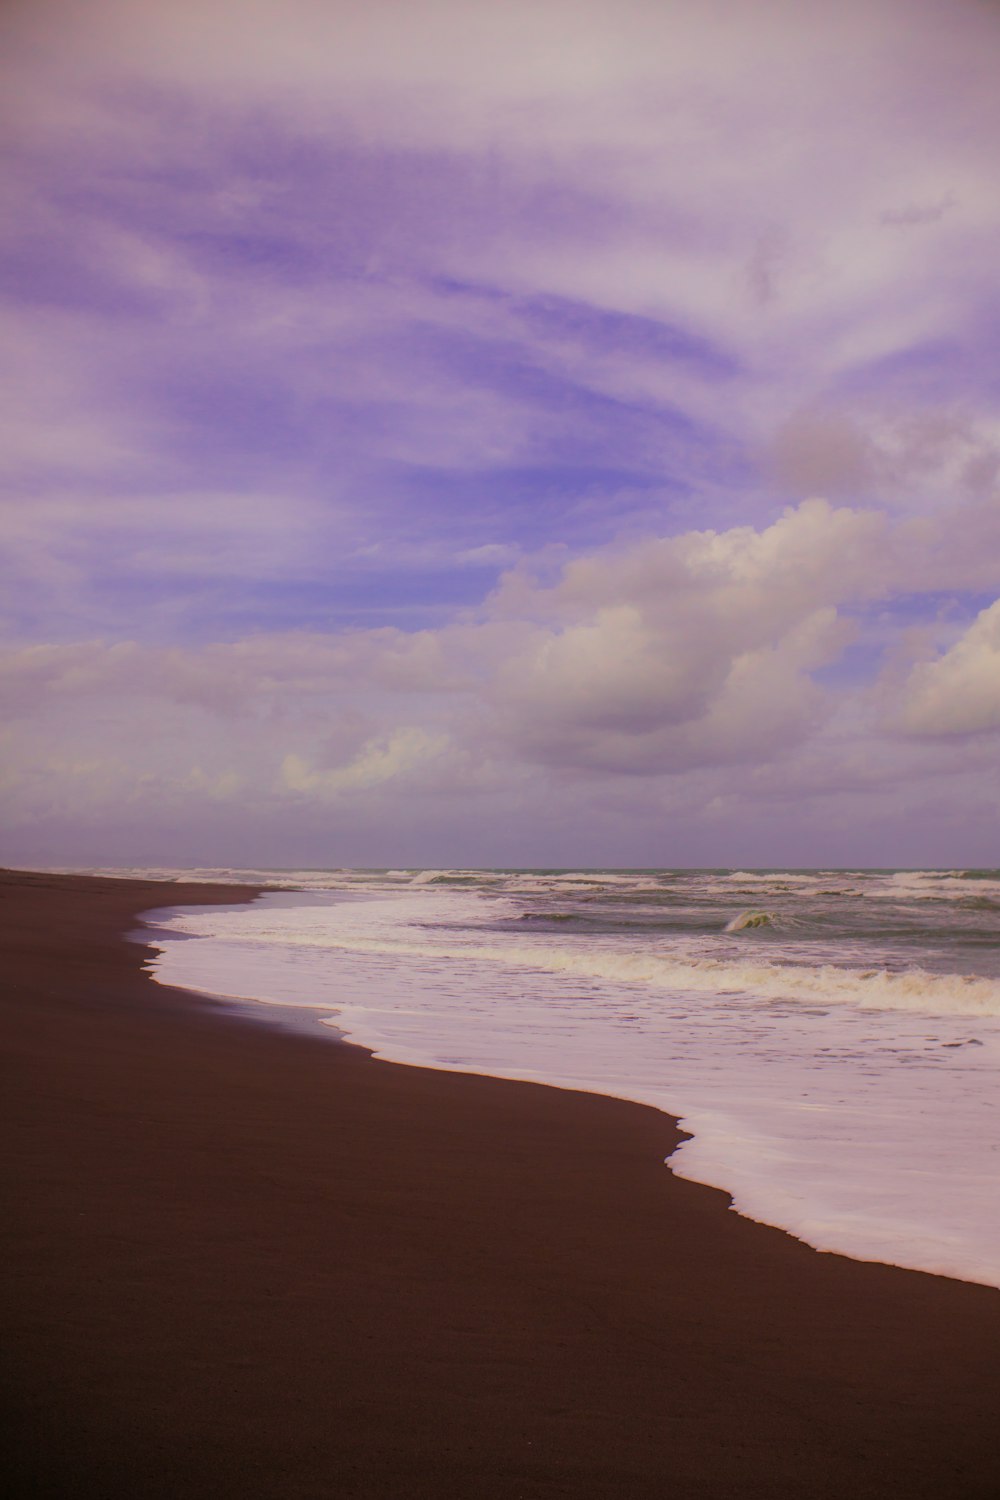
(650, 659)
(919, 213)
(688, 651)
(820, 453)
(85, 788)
(444, 371)
(380, 760)
(959, 692)
(230, 679)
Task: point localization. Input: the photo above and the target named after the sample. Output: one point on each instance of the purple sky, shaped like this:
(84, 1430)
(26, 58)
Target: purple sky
(453, 433)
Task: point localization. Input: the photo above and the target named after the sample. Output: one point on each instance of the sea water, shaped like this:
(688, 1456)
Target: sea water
(830, 1039)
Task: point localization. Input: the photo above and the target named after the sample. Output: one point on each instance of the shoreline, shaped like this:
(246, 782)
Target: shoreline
(903, 1182)
(242, 1261)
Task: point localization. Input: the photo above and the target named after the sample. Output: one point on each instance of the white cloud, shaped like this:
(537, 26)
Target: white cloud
(380, 760)
(635, 676)
(688, 650)
(680, 652)
(959, 693)
(80, 787)
(231, 678)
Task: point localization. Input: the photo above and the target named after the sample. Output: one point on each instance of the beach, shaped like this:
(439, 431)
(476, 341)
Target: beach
(245, 1259)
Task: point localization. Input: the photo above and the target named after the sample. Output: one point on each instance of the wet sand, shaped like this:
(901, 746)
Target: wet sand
(243, 1260)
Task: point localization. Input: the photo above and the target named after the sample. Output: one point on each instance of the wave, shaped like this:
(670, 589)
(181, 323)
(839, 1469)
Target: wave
(549, 916)
(702, 884)
(930, 885)
(750, 919)
(912, 989)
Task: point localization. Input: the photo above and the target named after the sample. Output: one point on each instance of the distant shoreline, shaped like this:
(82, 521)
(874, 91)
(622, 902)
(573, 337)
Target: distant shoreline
(242, 1262)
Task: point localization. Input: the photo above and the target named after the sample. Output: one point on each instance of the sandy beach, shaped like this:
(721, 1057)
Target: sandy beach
(243, 1259)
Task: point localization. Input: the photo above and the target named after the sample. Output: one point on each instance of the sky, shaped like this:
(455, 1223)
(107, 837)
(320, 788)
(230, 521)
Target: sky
(443, 433)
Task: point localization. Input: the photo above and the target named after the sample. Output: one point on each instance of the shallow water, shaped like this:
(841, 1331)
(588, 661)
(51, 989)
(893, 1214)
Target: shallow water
(830, 1038)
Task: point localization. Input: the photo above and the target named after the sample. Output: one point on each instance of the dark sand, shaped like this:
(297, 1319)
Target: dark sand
(244, 1262)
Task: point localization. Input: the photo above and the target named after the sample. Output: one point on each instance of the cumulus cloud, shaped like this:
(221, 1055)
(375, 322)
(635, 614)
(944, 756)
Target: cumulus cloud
(959, 692)
(652, 659)
(692, 650)
(380, 760)
(647, 660)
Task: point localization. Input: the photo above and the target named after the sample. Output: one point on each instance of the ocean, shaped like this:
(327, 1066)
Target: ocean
(830, 1039)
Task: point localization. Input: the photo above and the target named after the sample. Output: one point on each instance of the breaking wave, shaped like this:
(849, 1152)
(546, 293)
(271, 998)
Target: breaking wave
(750, 919)
(910, 989)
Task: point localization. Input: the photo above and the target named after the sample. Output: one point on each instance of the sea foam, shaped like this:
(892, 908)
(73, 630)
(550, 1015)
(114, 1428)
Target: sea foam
(853, 1106)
